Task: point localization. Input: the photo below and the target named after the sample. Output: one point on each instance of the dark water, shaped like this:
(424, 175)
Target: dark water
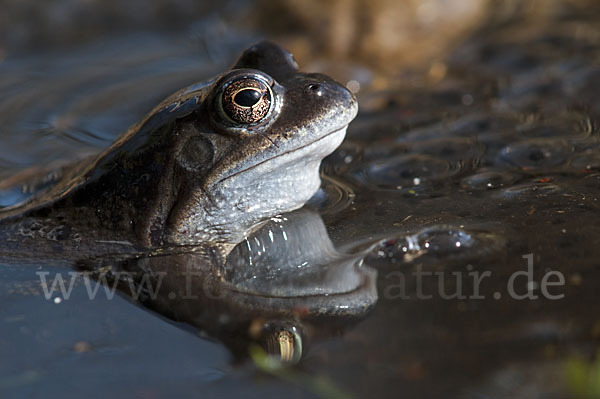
(463, 180)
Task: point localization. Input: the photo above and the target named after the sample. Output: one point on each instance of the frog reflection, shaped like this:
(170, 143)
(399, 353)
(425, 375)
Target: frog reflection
(281, 285)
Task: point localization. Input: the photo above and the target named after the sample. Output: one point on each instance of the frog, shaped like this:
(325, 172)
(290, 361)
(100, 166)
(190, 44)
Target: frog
(205, 197)
(209, 164)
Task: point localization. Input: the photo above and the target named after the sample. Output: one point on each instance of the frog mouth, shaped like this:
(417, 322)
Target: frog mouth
(321, 154)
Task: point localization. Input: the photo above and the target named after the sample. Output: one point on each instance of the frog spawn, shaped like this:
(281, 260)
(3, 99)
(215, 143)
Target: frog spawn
(495, 162)
(472, 150)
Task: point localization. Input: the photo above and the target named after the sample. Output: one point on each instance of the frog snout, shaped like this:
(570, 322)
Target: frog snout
(323, 86)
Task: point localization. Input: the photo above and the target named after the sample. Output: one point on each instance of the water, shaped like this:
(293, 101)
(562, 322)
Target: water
(448, 186)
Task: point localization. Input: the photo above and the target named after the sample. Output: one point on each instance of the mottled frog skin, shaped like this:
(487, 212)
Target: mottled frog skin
(206, 165)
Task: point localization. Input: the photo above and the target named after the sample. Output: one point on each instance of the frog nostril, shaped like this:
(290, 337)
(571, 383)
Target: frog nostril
(314, 88)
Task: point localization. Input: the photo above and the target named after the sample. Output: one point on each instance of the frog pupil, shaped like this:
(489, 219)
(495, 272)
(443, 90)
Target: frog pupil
(247, 97)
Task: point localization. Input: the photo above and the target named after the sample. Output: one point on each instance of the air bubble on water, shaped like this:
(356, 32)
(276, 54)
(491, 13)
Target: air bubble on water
(439, 242)
(487, 180)
(533, 189)
(405, 171)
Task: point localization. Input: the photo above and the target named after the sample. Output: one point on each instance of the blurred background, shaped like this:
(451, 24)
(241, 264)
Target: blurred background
(384, 34)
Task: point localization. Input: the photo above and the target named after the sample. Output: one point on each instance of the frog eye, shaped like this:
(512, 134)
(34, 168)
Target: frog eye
(247, 100)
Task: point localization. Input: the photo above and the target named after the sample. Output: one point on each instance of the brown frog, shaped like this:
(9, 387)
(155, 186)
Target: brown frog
(205, 166)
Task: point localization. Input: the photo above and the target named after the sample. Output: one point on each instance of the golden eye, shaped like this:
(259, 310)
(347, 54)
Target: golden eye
(246, 100)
